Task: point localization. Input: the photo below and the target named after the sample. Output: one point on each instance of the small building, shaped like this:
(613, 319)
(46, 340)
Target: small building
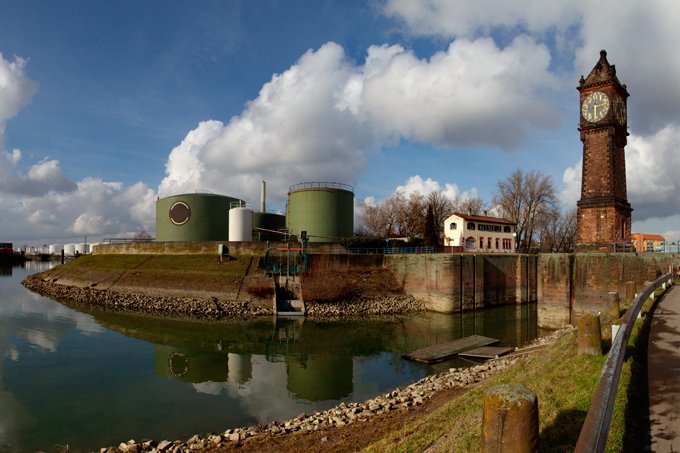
(647, 242)
(480, 233)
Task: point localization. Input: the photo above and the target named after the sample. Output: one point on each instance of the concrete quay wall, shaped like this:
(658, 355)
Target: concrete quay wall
(451, 283)
(570, 285)
(564, 285)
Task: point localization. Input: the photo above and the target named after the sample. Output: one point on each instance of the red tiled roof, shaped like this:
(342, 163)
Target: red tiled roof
(479, 218)
(648, 237)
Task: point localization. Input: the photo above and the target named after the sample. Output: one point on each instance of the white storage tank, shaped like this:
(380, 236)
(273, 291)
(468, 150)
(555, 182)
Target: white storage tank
(82, 248)
(240, 224)
(70, 249)
(55, 249)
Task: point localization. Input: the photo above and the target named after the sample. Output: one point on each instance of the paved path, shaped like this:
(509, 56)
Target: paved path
(664, 374)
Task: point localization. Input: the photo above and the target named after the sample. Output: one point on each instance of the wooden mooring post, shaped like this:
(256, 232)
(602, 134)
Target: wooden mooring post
(510, 420)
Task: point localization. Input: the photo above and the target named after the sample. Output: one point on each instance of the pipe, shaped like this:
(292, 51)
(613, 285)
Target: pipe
(263, 196)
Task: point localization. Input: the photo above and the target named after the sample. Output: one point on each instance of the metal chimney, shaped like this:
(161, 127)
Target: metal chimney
(263, 196)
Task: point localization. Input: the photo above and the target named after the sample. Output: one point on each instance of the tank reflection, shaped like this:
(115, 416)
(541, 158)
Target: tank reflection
(319, 356)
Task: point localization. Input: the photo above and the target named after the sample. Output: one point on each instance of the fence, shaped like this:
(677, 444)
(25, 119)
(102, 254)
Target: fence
(593, 437)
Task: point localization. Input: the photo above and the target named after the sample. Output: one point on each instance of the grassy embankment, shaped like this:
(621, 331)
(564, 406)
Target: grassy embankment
(181, 273)
(563, 382)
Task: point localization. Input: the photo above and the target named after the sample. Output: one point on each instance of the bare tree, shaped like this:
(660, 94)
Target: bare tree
(397, 216)
(442, 207)
(559, 232)
(472, 206)
(529, 200)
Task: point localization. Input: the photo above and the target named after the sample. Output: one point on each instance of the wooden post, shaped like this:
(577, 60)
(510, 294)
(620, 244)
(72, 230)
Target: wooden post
(589, 335)
(510, 420)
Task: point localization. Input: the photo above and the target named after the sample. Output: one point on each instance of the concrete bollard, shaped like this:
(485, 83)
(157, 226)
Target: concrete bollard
(509, 419)
(613, 303)
(631, 290)
(589, 335)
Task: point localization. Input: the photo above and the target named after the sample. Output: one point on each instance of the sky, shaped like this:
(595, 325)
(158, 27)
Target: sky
(107, 105)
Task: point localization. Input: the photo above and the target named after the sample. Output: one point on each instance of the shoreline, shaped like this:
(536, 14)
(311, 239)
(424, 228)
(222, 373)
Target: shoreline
(211, 308)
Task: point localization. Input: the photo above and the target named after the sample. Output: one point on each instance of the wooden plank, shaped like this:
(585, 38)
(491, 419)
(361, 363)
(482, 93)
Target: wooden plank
(487, 352)
(441, 352)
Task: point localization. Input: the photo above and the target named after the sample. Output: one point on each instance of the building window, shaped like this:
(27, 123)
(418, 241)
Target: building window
(453, 226)
(507, 229)
(488, 243)
(470, 243)
(498, 242)
(497, 228)
(481, 243)
(471, 225)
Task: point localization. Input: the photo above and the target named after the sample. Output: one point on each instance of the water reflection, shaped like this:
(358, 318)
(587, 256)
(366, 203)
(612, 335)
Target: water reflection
(95, 378)
(318, 356)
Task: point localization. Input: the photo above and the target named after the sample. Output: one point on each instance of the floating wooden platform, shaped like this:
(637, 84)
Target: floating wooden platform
(487, 352)
(444, 351)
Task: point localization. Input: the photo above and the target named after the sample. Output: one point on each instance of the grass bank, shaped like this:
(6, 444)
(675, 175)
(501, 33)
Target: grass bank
(563, 382)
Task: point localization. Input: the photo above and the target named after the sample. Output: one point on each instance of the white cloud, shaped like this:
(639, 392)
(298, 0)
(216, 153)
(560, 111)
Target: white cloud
(472, 94)
(451, 18)
(652, 166)
(318, 119)
(640, 37)
(292, 132)
(16, 90)
(572, 186)
(93, 208)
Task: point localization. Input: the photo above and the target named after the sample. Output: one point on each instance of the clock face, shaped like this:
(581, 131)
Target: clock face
(595, 106)
(620, 111)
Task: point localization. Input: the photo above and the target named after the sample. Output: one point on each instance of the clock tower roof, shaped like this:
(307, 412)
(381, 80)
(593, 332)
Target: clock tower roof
(603, 73)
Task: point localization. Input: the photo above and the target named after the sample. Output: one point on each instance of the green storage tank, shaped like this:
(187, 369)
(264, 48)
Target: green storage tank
(264, 225)
(325, 210)
(193, 217)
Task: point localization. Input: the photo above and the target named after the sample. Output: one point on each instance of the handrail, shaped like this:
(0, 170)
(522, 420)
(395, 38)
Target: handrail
(593, 437)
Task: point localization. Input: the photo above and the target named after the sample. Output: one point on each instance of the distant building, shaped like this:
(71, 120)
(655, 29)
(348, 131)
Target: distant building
(479, 233)
(647, 242)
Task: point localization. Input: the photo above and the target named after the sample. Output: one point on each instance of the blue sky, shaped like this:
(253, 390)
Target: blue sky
(106, 105)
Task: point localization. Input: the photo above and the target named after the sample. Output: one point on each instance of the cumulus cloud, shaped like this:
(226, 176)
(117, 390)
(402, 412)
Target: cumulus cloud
(43, 202)
(318, 119)
(16, 90)
(43, 177)
(652, 166)
(640, 37)
(94, 208)
(426, 186)
(292, 132)
(571, 192)
(472, 94)
(451, 18)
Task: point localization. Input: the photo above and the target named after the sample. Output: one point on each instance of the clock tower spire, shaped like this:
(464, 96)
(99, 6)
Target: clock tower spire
(604, 214)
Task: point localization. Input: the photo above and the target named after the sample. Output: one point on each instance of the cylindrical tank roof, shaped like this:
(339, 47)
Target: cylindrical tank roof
(320, 185)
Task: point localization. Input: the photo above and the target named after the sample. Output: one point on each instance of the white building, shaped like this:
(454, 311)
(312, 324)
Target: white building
(480, 233)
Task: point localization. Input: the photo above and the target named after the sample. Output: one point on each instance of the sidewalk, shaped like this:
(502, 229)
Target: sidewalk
(663, 355)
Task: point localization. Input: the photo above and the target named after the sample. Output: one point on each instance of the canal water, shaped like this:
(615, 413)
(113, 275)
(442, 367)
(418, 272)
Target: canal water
(92, 379)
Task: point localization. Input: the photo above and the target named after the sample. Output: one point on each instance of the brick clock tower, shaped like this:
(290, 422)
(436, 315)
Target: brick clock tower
(604, 214)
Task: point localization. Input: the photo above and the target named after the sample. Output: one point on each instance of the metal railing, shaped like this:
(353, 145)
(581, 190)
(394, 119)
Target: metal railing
(124, 240)
(320, 185)
(391, 250)
(593, 437)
